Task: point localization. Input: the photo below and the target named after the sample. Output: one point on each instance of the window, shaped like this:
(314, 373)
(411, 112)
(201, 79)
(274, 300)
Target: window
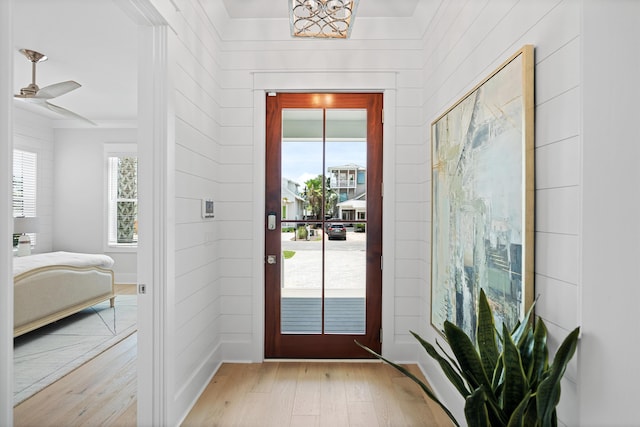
(24, 187)
(122, 200)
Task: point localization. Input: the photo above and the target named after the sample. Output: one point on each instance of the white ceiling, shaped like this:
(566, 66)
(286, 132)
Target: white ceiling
(279, 9)
(90, 41)
(94, 43)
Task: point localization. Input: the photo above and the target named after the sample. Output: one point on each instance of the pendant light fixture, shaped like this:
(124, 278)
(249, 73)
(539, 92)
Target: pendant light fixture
(322, 18)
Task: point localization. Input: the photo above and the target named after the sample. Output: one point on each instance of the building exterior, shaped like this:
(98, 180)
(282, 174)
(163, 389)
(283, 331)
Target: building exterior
(292, 202)
(348, 181)
(352, 210)
(350, 184)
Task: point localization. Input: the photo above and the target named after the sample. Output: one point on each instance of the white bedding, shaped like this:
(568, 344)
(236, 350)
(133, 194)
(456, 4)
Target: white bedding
(30, 262)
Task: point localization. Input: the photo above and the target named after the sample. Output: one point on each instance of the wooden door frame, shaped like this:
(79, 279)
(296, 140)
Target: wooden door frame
(327, 345)
(342, 81)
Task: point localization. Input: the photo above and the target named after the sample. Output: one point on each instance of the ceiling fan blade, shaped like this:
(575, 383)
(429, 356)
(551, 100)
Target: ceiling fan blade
(57, 89)
(65, 112)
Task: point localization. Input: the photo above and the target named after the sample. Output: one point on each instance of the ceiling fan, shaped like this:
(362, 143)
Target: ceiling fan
(40, 96)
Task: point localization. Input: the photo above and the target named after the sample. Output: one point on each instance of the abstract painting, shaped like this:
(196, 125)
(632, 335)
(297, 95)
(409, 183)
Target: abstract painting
(482, 199)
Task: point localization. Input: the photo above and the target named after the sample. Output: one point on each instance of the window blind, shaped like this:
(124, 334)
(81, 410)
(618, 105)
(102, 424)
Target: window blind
(25, 164)
(24, 183)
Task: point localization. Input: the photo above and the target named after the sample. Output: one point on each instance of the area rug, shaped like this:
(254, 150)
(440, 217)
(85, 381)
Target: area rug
(45, 355)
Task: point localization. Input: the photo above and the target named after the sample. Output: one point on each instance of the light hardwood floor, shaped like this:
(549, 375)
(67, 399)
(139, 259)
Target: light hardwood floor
(100, 392)
(314, 393)
(310, 393)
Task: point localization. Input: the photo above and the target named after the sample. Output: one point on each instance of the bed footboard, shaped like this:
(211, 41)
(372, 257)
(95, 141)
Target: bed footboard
(48, 294)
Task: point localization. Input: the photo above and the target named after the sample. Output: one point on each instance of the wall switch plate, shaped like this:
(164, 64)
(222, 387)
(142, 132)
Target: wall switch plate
(207, 208)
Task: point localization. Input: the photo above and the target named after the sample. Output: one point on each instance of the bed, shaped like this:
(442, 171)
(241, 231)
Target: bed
(54, 285)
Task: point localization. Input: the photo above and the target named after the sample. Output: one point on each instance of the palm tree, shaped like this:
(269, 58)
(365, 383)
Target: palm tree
(314, 197)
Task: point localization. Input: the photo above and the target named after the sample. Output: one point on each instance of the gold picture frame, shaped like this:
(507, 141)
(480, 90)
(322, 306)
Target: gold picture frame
(482, 192)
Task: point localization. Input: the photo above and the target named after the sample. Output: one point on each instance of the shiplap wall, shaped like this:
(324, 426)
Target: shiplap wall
(197, 308)
(217, 315)
(464, 44)
(246, 61)
(217, 307)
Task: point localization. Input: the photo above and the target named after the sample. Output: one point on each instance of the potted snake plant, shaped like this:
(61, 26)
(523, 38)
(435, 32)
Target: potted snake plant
(505, 377)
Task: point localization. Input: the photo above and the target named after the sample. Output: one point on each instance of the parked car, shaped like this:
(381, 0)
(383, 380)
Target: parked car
(337, 231)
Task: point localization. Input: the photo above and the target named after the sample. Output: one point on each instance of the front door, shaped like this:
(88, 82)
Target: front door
(323, 225)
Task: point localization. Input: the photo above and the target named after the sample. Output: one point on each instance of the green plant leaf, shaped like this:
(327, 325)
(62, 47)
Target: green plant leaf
(515, 381)
(522, 328)
(453, 361)
(531, 414)
(467, 356)
(475, 409)
(526, 352)
(498, 375)
(540, 363)
(486, 335)
(415, 379)
(518, 417)
(471, 366)
(519, 389)
(548, 393)
(451, 370)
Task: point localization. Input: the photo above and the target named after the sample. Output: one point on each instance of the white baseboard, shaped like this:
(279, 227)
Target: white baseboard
(188, 395)
(125, 278)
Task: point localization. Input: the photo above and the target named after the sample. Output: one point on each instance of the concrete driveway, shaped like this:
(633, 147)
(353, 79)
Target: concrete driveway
(345, 263)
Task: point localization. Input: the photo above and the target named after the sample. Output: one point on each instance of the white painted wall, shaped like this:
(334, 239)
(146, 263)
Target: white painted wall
(586, 178)
(194, 307)
(71, 187)
(79, 195)
(610, 232)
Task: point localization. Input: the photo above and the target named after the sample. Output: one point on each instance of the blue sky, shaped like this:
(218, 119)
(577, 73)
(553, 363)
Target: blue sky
(303, 160)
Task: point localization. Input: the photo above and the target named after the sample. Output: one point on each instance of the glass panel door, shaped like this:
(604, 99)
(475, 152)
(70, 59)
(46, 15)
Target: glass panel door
(345, 248)
(302, 199)
(322, 275)
(324, 156)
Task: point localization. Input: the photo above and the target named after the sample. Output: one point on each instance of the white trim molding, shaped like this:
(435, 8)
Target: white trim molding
(156, 260)
(156, 241)
(6, 214)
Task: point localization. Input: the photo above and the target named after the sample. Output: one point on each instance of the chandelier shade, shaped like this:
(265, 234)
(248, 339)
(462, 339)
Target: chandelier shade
(322, 18)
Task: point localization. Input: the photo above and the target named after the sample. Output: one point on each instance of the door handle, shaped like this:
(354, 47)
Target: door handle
(271, 221)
